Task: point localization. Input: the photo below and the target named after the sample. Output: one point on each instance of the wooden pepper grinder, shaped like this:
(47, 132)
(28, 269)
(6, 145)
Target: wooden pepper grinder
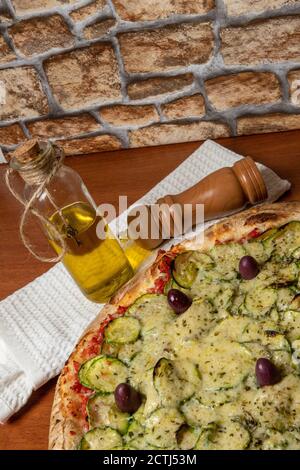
(222, 192)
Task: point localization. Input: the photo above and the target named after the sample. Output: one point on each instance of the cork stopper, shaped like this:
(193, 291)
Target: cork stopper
(26, 152)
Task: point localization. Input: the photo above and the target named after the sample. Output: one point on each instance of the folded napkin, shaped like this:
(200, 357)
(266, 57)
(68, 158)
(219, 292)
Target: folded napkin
(40, 324)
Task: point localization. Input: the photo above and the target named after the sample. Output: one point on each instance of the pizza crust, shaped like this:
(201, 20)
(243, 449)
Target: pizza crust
(65, 431)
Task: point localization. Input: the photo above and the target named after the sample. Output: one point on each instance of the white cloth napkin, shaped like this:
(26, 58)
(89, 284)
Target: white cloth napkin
(41, 323)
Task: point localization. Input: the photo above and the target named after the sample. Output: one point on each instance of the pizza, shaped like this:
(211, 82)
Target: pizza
(200, 351)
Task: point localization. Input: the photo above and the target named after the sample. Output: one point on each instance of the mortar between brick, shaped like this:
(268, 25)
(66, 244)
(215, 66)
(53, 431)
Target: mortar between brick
(201, 72)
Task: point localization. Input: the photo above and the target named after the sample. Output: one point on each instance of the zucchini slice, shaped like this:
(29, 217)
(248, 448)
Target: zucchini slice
(83, 370)
(162, 426)
(188, 371)
(197, 414)
(223, 364)
(260, 301)
(285, 296)
(187, 437)
(267, 239)
(134, 431)
(123, 330)
(103, 412)
(172, 284)
(268, 235)
(152, 311)
(227, 257)
(291, 323)
(215, 398)
(296, 254)
(188, 264)
(295, 304)
(193, 323)
(223, 300)
(101, 439)
(205, 289)
(287, 240)
(127, 352)
(257, 250)
(142, 364)
(227, 435)
(286, 274)
(103, 373)
(170, 388)
(266, 333)
(277, 440)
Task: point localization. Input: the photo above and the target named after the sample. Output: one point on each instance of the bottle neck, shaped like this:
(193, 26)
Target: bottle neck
(41, 167)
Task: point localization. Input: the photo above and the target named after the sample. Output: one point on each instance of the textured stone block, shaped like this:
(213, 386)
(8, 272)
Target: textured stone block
(294, 81)
(38, 35)
(243, 88)
(4, 13)
(264, 41)
(167, 48)
(11, 135)
(64, 127)
(240, 7)
(94, 7)
(268, 123)
(133, 10)
(23, 7)
(6, 54)
(188, 106)
(96, 30)
(161, 134)
(159, 86)
(22, 94)
(124, 115)
(84, 77)
(94, 144)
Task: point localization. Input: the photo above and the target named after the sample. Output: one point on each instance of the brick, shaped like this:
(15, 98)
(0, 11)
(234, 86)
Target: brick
(96, 30)
(84, 77)
(240, 7)
(64, 127)
(4, 13)
(38, 35)
(253, 88)
(167, 48)
(126, 115)
(188, 106)
(23, 94)
(261, 42)
(159, 86)
(94, 144)
(294, 81)
(6, 54)
(161, 134)
(83, 13)
(23, 7)
(11, 135)
(268, 123)
(133, 10)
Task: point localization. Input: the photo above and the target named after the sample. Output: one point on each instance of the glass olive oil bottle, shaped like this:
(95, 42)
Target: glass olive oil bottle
(98, 265)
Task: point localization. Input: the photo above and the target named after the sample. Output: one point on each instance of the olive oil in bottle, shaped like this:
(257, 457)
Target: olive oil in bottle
(98, 266)
(57, 196)
(135, 254)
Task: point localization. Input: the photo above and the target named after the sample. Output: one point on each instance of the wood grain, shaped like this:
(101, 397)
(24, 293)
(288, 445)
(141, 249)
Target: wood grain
(130, 172)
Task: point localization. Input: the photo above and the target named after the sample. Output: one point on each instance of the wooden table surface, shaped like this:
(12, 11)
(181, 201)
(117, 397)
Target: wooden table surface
(131, 172)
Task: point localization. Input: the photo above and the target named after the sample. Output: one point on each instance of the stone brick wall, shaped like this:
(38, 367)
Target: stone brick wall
(106, 74)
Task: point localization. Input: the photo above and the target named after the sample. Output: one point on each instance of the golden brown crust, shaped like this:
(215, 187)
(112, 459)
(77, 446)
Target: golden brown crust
(65, 430)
